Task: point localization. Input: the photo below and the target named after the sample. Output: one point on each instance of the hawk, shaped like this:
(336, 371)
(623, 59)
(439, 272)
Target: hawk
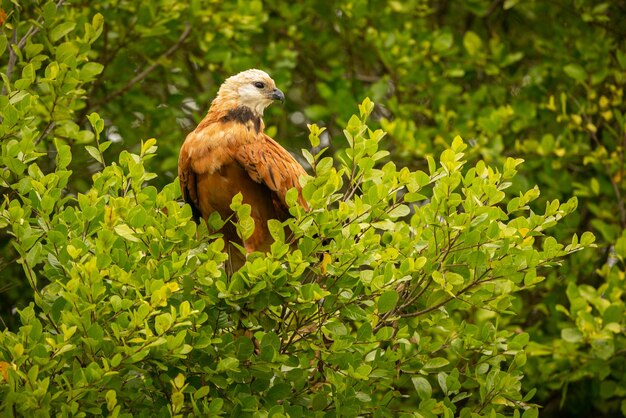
(229, 153)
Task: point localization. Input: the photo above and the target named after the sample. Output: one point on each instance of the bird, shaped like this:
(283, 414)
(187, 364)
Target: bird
(229, 153)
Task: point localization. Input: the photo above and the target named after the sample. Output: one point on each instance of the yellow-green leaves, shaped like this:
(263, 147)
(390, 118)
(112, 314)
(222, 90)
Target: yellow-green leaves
(387, 301)
(367, 282)
(61, 30)
(472, 43)
(314, 134)
(126, 232)
(365, 109)
(28, 77)
(3, 44)
(575, 71)
(96, 123)
(245, 223)
(90, 70)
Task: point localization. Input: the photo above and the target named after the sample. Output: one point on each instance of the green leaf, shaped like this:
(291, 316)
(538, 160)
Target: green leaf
(64, 155)
(61, 30)
(319, 401)
(621, 59)
(472, 43)
(436, 362)
(137, 217)
(387, 301)
(201, 392)
(226, 364)
(49, 11)
(96, 122)
(587, 239)
(116, 360)
(354, 123)
(278, 392)
(162, 323)
(334, 329)
(111, 399)
(28, 73)
(90, 70)
(314, 135)
(365, 109)
(126, 232)
(531, 413)
(454, 279)
(148, 147)
(399, 211)
(3, 44)
(423, 387)
(575, 71)
(95, 153)
(443, 42)
(509, 4)
(571, 335)
(276, 230)
(97, 21)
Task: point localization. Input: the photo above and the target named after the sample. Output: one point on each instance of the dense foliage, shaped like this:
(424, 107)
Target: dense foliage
(431, 275)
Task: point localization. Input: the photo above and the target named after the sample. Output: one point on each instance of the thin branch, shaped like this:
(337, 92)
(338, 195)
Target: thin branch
(445, 301)
(139, 77)
(50, 125)
(429, 280)
(12, 59)
(36, 28)
(45, 133)
(475, 283)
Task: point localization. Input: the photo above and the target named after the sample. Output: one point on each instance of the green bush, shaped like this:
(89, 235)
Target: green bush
(387, 306)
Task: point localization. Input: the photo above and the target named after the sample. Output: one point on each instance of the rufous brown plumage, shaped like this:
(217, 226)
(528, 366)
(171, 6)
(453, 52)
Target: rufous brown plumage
(229, 153)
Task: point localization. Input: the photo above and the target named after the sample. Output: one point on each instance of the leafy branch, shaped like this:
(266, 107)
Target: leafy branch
(32, 31)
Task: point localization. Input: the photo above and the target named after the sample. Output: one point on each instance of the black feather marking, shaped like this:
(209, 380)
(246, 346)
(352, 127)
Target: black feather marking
(243, 115)
(195, 212)
(272, 176)
(190, 179)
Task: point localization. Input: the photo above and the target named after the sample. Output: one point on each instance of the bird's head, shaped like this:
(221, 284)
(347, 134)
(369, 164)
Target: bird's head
(253, 89)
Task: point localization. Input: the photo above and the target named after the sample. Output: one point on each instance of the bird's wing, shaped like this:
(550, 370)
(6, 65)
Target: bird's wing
(269, 163)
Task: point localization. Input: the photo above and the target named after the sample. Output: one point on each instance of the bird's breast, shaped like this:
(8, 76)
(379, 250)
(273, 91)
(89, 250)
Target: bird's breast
(220, 186)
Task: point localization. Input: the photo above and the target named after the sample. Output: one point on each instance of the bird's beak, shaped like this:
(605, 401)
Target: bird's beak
(277, 95)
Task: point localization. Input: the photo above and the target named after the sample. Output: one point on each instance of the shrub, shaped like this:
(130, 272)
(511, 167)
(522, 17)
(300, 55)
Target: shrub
(386, 305)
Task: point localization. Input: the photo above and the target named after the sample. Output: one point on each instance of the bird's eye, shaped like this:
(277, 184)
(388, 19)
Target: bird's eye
(259, 85)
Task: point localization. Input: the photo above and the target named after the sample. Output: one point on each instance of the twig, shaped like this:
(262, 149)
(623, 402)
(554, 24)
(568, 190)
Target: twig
(475, 283)
(147, 71)
(441, 264)
(45, 133)
(440, 304)
(50, 125)
(12, 59)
